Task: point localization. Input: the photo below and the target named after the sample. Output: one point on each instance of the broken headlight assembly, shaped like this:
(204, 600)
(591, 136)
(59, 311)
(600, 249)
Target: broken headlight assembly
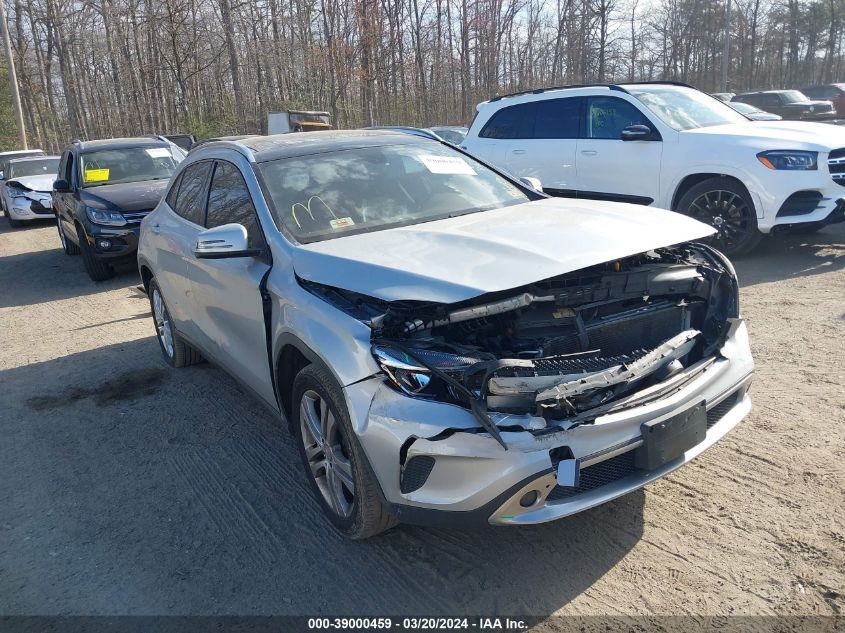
(420, 372)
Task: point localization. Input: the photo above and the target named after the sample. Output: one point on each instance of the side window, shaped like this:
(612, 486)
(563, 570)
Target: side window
(606, 117)
(174, 191)
(69, 169)
(191, 195)
(558, 118)
(771, 100)
(511, 122)
(229, 201)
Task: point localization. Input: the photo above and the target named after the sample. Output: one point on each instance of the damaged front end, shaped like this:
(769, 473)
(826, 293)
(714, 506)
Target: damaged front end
(561, 351)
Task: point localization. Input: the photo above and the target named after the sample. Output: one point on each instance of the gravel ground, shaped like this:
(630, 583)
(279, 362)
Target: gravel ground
(130, 488)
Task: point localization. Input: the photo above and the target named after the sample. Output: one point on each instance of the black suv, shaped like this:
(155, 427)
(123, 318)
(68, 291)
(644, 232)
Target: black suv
(792, 105)
(104, 189)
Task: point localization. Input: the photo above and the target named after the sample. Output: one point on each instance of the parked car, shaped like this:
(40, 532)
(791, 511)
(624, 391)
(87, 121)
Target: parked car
(451, 134)
(184, 141)
(103, 191)
(5, 157)
(723, 96)
(671, 146)
(835, 93)
(753, 113)
(26, 193)
(447, 345)
(791, 105)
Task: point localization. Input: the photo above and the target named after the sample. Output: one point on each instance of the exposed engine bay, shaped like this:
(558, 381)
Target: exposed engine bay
(565, 349)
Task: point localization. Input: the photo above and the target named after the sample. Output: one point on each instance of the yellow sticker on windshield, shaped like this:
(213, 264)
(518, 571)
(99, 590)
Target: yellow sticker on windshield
(96, 175)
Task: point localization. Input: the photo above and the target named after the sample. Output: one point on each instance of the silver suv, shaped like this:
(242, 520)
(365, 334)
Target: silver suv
(447, 344)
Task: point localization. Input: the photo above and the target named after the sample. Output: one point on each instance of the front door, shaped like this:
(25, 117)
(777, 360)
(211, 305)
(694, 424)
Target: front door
(610, 168)
(229, 310)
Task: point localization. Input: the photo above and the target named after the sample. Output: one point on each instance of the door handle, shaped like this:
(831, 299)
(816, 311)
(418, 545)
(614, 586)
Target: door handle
(156, 228)
(588, 152)
(518, 151)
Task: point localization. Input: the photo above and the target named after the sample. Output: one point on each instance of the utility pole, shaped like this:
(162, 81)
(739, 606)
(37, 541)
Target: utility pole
(13, 77)
(727, 47)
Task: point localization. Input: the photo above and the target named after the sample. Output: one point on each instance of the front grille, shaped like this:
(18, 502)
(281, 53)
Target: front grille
(621, 466)
(720, 410)
(836, 164)
(37, 207)
(597, 475)
(135, 218)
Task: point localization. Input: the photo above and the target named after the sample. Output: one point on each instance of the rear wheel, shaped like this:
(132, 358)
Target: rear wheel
(97, 269)
(725, 205)
(68, 247)
(338, 471)
(176, 352)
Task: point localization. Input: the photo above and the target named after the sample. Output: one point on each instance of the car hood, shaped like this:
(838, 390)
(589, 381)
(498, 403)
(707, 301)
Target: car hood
(455, 259)
(819, 137)
(36, 183)
(125, 197)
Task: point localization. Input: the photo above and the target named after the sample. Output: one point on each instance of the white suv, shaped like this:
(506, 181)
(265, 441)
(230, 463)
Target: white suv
(669, 145)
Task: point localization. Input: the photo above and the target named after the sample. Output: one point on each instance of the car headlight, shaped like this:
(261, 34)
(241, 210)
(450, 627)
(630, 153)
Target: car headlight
(16, 192)
(789, 159)
(106, 218)
(415, 378)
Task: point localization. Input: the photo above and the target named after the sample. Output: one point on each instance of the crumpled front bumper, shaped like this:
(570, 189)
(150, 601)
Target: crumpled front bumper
(473, 479)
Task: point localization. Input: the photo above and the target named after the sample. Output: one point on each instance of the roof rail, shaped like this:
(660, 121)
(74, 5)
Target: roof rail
(610, 86)
(667, 82)
(537, 91)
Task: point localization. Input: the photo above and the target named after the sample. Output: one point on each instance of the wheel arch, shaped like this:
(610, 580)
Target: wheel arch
(691, 180)
(292, 356)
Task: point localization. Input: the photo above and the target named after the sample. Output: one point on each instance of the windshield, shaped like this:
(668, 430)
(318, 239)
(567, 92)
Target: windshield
(793, 96)
(133, 164)
(329, 195)
(40, 167)
(745, 108)
(685, 108)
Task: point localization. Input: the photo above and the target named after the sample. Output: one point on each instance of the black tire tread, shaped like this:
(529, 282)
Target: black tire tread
(371, 516)
(97, 269)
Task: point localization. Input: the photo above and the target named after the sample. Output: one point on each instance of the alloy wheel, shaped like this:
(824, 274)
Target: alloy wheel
(162, 321)
(728, 213)
(326, 449)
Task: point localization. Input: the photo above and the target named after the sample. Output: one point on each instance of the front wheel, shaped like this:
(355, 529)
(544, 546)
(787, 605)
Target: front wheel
(68, 247)
(725, 205)
(335, 465)
(97, 269)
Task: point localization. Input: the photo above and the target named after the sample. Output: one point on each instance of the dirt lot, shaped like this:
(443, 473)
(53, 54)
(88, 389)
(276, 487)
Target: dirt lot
(130, 488)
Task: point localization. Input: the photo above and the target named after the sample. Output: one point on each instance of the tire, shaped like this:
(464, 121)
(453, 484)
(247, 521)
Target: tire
(68, 247)
(358, 513)
(97, 269)
(177, 353)
(724, 204)
(15, 224)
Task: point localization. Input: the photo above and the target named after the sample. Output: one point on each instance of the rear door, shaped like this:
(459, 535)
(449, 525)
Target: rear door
(503, 132)
(171, 233)
(548, 148)
(610, 168)
(229, 310)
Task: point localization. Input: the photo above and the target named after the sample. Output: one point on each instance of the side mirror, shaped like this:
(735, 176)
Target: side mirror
(636, 133)
(61, 185)
(224, 242)
(533, 183)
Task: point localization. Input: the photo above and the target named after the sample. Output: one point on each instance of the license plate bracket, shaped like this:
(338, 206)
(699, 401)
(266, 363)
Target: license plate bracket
(666, 440)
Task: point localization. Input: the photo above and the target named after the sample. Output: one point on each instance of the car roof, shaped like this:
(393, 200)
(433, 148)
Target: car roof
(265, 148)
(24, 159)
(120, 143)
(22, 151)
